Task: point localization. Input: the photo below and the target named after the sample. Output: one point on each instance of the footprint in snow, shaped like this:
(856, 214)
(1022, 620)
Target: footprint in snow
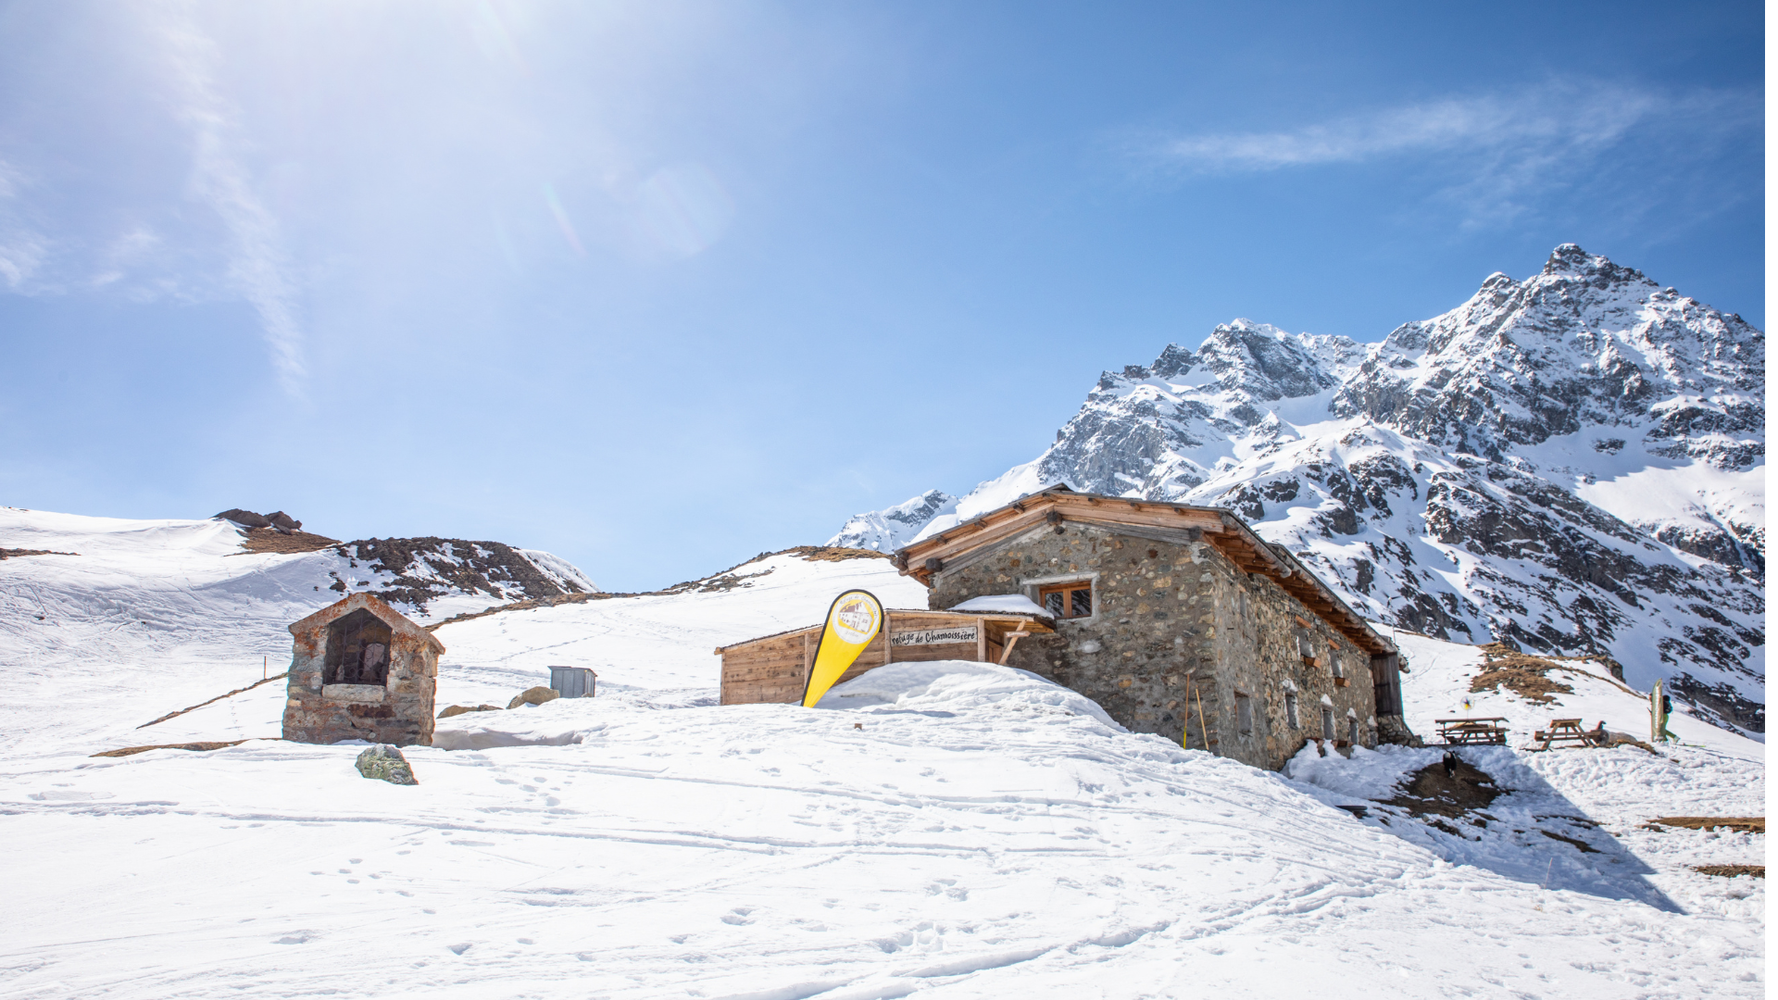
(458, 948)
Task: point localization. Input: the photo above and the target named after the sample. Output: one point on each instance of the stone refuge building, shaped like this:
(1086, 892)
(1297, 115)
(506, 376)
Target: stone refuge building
(361, 671)
(1178, 620)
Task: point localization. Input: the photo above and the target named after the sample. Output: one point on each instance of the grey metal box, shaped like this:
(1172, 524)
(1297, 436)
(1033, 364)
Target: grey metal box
(573, 682)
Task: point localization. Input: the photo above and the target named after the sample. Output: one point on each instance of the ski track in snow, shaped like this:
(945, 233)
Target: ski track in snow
(944, 830)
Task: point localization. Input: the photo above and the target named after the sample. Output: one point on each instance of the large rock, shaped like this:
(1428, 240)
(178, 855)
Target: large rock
(456, 710)
(385, 763)
(534, 696)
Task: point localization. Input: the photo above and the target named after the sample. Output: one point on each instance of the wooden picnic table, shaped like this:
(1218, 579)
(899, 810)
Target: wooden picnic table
(1567, 732)
(1470, 732)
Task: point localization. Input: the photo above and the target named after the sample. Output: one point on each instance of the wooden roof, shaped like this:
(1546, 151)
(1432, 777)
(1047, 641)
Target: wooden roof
(1218, 526)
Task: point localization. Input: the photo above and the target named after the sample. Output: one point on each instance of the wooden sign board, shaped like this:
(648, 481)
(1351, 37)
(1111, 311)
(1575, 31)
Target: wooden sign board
(934, 636)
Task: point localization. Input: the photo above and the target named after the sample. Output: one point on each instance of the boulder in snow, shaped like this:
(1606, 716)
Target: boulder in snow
(385, 762)
(534, 696)
(465, 710)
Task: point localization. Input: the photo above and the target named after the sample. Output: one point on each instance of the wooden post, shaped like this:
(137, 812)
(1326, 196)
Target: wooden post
(1012, 639)
(888, 642)
(806, 664)
(1203, 730)
(981, 640)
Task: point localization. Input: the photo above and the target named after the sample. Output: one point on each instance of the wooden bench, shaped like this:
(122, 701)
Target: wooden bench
(1472, 732)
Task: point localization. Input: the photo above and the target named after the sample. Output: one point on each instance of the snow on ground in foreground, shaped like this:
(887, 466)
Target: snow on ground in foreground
(957, 829)
(948, 830)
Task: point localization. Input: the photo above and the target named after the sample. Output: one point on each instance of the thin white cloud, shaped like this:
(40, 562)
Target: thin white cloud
(1492, 156)
(1546, 121)
(258, 265)
(21, 252)
(22, 248)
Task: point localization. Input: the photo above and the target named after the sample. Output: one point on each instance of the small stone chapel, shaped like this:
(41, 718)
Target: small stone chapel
(360, 670)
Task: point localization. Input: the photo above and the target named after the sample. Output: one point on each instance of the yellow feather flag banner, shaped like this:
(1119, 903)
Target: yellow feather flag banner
(854, 620)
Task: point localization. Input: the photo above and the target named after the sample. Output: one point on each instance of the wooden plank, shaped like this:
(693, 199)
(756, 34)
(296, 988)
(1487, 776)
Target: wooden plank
(767, 695)
(981, 640)
(792, 651)
(787, 672)
(745, 669)
(944, 544)
(744, 662)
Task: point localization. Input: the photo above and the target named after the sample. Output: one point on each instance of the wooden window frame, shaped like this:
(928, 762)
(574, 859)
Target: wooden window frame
(1066, 590)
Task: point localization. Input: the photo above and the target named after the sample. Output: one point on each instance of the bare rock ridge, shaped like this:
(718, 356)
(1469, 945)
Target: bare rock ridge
(277, 519)
(416, 571)
(1571, 464)
(424, 569)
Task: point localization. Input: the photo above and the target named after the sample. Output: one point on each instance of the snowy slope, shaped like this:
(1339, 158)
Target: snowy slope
(145, 617)
(1571, 463)
(944, 830)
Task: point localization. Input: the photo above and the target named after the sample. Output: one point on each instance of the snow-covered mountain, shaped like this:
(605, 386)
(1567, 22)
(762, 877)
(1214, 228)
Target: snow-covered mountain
(889, 529)
(1573, 463)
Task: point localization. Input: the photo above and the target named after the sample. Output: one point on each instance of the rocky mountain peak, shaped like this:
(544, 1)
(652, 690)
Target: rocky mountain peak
(1572, 463)
(1569, 260)
(1262, 362)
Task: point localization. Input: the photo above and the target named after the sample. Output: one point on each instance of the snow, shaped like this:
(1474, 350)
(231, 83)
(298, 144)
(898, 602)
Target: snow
(1017, 604)
(934, 829)
(559, 571)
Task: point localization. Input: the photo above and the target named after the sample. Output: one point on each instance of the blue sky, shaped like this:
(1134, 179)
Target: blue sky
(659, 286)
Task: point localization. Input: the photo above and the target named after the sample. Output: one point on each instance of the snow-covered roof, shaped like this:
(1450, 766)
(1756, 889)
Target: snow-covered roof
(1003, 603)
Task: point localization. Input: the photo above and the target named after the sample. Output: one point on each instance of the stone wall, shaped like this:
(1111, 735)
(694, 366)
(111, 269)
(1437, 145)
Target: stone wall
(1176, 629)
(399, 711)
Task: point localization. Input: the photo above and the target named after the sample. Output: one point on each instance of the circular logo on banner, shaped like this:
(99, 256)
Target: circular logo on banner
(855, 620)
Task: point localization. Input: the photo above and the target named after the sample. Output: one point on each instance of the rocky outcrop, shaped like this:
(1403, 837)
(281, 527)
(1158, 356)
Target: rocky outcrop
(248, 519)
(1571, 464)
(414, 571)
